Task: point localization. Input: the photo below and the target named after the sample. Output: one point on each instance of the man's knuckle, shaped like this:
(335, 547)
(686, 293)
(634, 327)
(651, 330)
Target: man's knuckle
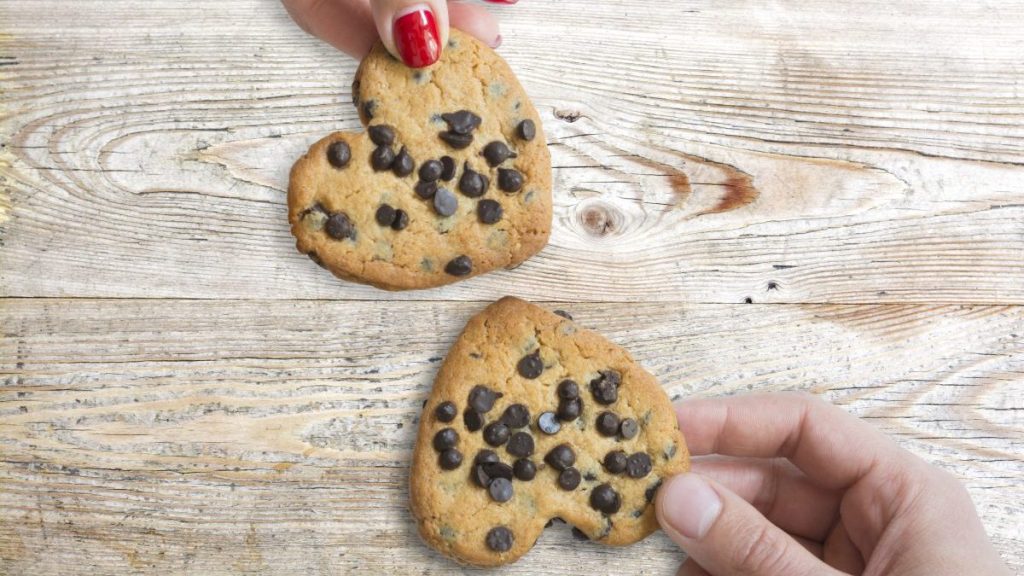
(763, 551)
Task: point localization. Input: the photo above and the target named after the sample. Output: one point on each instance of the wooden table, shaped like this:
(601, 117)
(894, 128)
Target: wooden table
(749, 195)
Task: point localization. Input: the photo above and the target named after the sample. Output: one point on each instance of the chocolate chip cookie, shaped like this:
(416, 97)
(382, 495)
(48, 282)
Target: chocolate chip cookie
(531, 419)
(451, 179)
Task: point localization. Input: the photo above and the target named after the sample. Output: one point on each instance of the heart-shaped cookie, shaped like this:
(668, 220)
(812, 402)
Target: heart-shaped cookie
(451, 179)
(532, 418)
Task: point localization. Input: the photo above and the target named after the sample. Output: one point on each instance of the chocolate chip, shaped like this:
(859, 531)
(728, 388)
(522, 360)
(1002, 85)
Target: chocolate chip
(431, 170)
(569, 479)
(339, 154)
(605, 387)
(628, 429)
(403, 164)
(445, 439)
(638, 465)
(652, 491)
(450, 459)
(382, 158)
(401, 220)
(605, 499)
(482, 398)
(497, 470)
(339, 227)
(459, 266)
(524, 469)
(564, 314)
(500, 539)
(510, 180)
(445, 412)
(569, 410)
(473, 420)
(497, 152)
(489, 211)
(445, 203)
(479, 475)
(615, 462)
(449, 168)
(461, 122)
(590, 477)
(472, 183)
(516, 416)
(381, 134)
(500, 490)
(496, 434)
(568, 389)
(548, 423)
(526, 130)
(607, 424)
(385, 215)
(486, 456)
(426, 190)
(457, 141)
(530, 366)
(561, 457)
(520, 444)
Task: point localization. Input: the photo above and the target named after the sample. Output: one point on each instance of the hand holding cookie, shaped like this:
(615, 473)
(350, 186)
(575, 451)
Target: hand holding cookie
(414, 31)
(787, 484)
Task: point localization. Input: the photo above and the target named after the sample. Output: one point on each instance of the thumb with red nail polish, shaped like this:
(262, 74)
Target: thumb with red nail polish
(414, 31)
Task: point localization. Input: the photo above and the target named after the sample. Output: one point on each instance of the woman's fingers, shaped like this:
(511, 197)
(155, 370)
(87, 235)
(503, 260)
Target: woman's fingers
(413, 30)
(830, 446)
(475, 20)
(778, 490)
(345, 24)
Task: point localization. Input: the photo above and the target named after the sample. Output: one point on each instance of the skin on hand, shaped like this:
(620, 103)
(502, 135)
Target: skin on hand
(785, 484)
(415, 31)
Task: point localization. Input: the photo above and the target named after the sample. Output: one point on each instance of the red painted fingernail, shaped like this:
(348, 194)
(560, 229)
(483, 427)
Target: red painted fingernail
(416, 38)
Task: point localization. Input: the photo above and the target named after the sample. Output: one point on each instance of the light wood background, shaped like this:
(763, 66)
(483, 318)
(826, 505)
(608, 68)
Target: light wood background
(181, 392)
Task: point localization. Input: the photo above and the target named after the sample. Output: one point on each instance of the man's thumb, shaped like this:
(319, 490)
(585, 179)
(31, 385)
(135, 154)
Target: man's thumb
(726, 535)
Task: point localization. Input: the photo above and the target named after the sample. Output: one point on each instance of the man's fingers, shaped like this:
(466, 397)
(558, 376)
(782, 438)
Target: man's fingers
(726, 535)
(832, 447)
(840, 552)
(475, 20)
(691, 568)
(345, 24)
(783, 494)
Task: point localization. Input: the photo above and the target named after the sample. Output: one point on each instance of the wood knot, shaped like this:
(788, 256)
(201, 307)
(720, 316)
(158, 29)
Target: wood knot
(569, 116)
(601, 219)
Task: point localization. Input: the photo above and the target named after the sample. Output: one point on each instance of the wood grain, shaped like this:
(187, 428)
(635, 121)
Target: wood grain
(843, 160)
(183, 393)
(192, 436)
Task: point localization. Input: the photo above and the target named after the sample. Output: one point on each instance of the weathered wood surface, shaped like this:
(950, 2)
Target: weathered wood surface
(182, 393)
(856, 155)
(201, 437)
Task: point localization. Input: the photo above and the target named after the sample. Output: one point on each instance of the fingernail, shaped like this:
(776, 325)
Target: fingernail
(416, 37)
(690, 505)
(496, 42)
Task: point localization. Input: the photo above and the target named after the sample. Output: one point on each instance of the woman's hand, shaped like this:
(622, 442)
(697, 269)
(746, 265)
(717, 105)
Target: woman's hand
(784, 484)
(413, 30)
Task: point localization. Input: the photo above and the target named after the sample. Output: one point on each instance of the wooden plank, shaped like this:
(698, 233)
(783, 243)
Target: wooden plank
(704, 155)
(202, 437)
